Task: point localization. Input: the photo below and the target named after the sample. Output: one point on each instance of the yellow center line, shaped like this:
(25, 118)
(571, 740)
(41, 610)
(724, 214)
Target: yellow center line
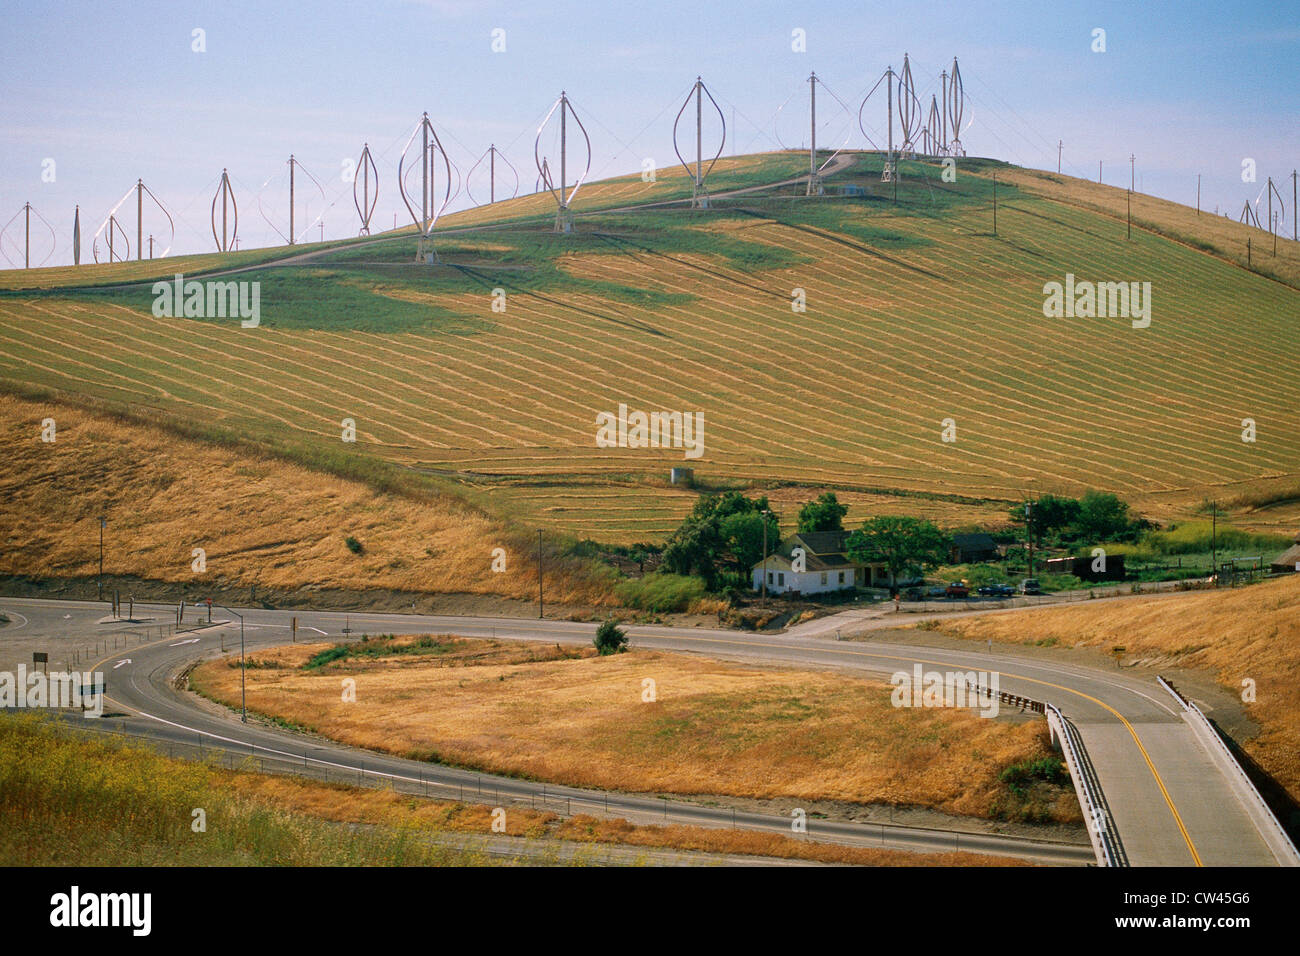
(1033, 680)
(916, 660)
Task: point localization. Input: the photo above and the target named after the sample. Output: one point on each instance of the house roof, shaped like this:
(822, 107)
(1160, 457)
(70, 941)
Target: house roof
(1288, 558)
(977, 541)
(823, 551)
(820, 542)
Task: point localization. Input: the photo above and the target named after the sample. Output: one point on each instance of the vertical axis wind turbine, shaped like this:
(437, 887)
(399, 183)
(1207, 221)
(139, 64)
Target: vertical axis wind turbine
(953, 110)
(490, 154)
(563, 218)
(887, 173)
(26, 212)
(365, 170)
(699, 195)
(111, 226)
(229, 215)
(430, 207)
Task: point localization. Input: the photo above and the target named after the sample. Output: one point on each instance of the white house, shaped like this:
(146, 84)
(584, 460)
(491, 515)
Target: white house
(813, 564)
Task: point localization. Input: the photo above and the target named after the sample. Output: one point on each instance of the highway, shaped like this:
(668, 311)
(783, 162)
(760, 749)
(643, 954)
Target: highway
(1171, 804)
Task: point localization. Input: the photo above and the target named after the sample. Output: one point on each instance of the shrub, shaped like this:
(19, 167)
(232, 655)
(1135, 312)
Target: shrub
(661, 591)
(610, 638)
(355, 546)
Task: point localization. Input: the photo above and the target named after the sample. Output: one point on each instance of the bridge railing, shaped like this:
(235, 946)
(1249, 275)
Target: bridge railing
(1101, 829)
(1268, 825)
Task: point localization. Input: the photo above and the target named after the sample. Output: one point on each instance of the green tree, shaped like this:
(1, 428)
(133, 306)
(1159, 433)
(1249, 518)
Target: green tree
(722, 533)
(824, 514)
(899, 543)
(610, 638)
(1102, 517)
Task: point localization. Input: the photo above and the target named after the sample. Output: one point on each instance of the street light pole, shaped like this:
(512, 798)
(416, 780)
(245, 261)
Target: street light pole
(243, 689)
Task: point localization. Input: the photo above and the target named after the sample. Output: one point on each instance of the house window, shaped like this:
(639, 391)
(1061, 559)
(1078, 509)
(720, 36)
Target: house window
(769, 577)
(823, 579)
(841, 577)
(780, 579)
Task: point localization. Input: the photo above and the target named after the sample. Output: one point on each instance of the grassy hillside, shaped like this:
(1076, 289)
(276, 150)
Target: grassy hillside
(916, 313)
(260, 520)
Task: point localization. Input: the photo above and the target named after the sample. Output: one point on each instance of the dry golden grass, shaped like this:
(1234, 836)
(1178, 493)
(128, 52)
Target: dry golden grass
(714, 728)
(345, 804)
(260, 520)
(1249, 633)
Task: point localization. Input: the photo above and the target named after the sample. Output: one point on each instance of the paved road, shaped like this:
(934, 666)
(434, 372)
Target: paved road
(1170, 803)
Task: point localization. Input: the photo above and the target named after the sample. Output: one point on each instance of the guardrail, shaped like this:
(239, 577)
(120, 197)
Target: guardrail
(1268, 825)
(1101, 829)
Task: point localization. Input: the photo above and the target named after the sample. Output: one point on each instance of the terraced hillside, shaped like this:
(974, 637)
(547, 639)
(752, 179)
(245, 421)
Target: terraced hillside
(915, 313)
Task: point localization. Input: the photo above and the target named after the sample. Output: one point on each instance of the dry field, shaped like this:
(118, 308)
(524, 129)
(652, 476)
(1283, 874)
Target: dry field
(1249, 633)
(260, 520)
(567, 716)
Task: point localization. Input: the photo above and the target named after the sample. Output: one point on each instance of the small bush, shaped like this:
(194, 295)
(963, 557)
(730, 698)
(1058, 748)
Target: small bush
(326, 657)
(610, 638)
(355, 546)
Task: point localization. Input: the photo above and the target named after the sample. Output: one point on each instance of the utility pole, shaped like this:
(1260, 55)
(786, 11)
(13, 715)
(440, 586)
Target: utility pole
(1295, 213)
(27, 236)
(492, 173)
(1214, 538)
(151, 245)
(1060, 145)
(1131, 159)
(541, 607)
(763, 574)
(1099, 171)
(995, 202)
(1029, 533)
(139, 220)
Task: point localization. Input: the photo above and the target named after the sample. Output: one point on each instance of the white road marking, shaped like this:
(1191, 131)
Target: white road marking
(125, 660)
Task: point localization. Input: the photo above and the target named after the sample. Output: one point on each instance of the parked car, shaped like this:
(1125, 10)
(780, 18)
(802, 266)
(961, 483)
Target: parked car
(997, 590)
(1030, 586)
(938, 592)
(957, 589)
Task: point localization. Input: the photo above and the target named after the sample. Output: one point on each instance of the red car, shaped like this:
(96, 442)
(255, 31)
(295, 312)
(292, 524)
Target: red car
(957, 589)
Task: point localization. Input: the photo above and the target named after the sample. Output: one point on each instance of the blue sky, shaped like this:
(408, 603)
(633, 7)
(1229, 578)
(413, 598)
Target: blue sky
(114, 92)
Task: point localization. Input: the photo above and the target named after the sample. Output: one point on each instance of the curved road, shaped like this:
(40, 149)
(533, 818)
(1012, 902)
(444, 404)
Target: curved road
(1171, 805)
